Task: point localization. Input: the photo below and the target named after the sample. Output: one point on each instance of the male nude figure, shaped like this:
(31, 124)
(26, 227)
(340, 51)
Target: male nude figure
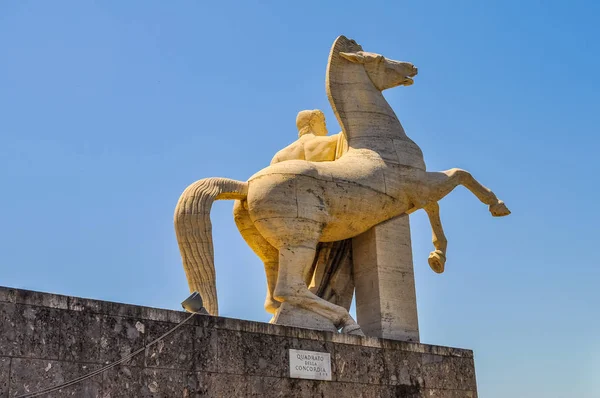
(313, 143)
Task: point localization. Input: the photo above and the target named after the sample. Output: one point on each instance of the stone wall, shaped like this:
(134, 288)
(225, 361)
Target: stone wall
(48, 339)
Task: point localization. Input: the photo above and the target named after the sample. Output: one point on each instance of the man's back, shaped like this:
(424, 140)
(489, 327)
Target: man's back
(309, 147)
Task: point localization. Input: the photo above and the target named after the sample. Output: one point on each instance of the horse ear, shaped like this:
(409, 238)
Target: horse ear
(353, 57)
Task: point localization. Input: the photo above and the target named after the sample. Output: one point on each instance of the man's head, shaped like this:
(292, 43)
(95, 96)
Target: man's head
(311, 121)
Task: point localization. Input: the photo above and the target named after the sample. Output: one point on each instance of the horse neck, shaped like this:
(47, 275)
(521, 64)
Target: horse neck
(360, 107)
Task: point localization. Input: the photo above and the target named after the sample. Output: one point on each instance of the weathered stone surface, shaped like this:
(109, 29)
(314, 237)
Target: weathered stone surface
(370, 391)
(8, 295)
(283, 387)
(31, 375)
(210, 356)
(359, 366)
(448, 373)
(165, 383)
(176, 351)
(217, 385)
(192, 348)
(42, 299)
(403, 367)
(122, 382)
(4, 376)
(403, 391)
(80, 337)
(434, 393)
(243, 353)
(9, 329)
(120, 337)
(29, 331)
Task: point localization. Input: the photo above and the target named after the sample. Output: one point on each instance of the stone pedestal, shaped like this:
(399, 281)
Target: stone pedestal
(47, 339)
(386, 303)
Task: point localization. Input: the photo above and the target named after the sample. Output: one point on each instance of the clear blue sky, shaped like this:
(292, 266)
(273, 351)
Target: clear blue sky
(109, 109)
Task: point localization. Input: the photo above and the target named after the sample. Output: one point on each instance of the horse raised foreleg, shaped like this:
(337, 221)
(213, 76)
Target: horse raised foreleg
(437, 258)
(440, 184)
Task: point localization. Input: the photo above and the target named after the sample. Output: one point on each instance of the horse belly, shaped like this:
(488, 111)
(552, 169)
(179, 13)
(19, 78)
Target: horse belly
(288, 209)
(353, 209)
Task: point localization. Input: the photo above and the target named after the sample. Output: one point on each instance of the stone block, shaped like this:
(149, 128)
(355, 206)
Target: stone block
(122, 382)
(79, 304)
(41, 347)
(175, 351)
(8, 295)
(354, 390)
(32, 375)
(260, 386)
(276, 387)
(206, 353)
(220, 385)
(403, 368)
(133, 381)
(309, 345)
(358, 364)
(403, 391)
(448, 373)
(29, 297)
(165, 383)
(120, 337)
(81, 337)
(4, 376)
(29, 331)
(188, 348)
(435, 393)
(252, 355)
(9, 330)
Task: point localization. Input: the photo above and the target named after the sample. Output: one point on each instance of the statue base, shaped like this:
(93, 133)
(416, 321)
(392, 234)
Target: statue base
(47, 339)
(292, 315)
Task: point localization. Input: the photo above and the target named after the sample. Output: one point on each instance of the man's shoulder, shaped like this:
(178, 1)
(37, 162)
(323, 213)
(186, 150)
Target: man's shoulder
(291, 152)
(322, 139)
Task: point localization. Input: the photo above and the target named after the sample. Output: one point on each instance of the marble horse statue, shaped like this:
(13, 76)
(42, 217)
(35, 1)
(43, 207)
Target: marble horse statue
(288, 208)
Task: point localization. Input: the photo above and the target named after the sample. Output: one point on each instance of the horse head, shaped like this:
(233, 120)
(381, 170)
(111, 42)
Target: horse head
(384, 73)
(355, 80)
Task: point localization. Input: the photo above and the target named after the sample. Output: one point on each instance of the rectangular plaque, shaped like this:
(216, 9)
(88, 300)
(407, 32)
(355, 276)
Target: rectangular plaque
(310, 365)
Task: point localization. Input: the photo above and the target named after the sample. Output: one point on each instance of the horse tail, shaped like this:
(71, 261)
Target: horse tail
(194, 233)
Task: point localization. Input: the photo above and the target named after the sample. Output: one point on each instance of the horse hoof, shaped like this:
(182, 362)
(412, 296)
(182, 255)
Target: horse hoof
(436, 260)
(353, 330)
(499, 209)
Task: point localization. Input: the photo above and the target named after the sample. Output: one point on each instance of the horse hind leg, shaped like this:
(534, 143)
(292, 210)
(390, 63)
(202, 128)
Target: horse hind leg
(291, 287)
(263, 249)
(440, 184)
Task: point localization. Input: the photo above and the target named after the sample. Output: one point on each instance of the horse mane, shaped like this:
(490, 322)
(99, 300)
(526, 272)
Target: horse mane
(333, 76)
